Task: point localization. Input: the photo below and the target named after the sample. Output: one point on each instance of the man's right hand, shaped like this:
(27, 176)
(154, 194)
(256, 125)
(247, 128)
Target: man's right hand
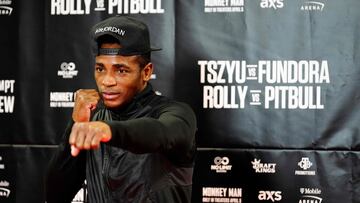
(85, 102)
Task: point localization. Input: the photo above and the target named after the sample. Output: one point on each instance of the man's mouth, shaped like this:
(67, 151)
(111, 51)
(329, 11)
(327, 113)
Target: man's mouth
(110, 95)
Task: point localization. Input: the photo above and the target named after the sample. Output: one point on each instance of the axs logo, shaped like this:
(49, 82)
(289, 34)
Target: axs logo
(275, 4)
(270, 195)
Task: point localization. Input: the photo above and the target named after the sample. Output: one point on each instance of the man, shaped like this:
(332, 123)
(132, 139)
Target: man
(130, 144)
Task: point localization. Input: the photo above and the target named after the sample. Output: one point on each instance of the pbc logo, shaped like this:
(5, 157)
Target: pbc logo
(270, 195)
(275, 4)
(305, 163)
(67, 70)
(221, 164)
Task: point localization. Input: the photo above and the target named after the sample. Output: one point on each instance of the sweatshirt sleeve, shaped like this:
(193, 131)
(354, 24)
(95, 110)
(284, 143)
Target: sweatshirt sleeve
(173, 131)
(65, 174)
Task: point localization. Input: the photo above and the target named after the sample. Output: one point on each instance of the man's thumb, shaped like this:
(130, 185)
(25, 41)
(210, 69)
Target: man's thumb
(74, 151)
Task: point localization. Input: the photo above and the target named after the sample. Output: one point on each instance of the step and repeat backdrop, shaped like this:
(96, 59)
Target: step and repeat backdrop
(275, 85)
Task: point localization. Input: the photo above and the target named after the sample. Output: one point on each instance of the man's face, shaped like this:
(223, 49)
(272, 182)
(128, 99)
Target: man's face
(119, 78)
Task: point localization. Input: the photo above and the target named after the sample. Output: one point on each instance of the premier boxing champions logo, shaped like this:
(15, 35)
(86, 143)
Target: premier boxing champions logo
(83, 7)
(305, 164)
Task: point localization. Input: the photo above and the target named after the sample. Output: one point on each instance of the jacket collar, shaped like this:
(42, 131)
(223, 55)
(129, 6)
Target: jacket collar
(137, 102)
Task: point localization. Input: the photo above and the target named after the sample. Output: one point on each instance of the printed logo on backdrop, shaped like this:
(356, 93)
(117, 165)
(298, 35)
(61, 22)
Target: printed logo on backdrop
(84, 7)
(305, 164)
(7, 98)
(2, 166)
(5, 7)
(223, 6)
(263, 167)
(62, 99)
(287, 84)
(80, 197)
(269, 196)
(310, 195)
(274, 4)
(153, 77)
(67, 70)
(221, 194)
(4, 188)
(221, 165)
(312, 6)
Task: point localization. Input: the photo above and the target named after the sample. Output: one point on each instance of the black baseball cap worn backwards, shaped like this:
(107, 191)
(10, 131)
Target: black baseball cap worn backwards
(132, 34)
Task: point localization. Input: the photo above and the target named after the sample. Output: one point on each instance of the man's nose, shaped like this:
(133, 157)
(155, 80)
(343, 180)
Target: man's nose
(109, 80)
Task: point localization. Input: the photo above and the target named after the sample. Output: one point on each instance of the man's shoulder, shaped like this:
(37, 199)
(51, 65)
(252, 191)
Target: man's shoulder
(164, 101)
(163, 104)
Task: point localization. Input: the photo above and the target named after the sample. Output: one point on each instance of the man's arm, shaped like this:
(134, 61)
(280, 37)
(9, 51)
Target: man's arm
(173, 131)
(66, 174)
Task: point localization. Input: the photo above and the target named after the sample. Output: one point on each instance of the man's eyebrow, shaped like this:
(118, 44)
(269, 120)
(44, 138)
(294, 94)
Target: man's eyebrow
(100, 64)
(120, 65)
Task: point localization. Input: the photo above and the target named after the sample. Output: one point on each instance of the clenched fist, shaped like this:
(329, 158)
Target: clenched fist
(88, 135)
(85, 134)
(85, 102)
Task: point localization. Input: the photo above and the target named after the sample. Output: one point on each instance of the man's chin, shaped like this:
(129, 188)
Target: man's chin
(112, 104)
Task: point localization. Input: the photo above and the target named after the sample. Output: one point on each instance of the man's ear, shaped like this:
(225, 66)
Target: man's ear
(147, 72)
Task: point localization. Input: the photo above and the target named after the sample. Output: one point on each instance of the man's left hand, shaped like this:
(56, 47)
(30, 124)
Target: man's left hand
(88, 135)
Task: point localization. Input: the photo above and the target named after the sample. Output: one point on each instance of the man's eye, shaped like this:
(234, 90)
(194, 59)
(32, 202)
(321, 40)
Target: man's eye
(99, 69)
(122, 71)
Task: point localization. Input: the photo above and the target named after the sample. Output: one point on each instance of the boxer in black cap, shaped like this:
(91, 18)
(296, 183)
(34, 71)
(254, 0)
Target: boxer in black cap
(130, 144)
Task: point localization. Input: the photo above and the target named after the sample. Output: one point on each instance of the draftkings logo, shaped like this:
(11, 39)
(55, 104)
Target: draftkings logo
(221, 164)
(223, 6)
(312, 6)
(305, 164)
(5, 7)
(310, 195)
(67, 70)
(83, 7)
(263, 167)
(4, 189)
